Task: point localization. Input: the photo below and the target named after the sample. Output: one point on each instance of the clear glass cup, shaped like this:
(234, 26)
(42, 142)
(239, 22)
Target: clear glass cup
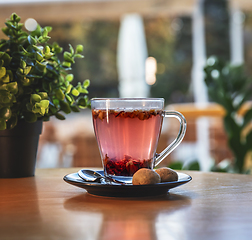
(127, 131)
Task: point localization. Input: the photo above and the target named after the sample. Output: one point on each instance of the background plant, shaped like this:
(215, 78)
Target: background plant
(230, 87)
(34, 82)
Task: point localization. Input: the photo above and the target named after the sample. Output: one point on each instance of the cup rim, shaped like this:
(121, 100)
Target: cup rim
(127, 99)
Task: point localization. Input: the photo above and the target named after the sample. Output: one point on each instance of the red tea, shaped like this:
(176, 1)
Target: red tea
(127, 139)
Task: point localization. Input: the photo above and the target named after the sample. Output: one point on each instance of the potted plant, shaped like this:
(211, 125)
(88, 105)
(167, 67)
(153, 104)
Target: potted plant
(229, 86)
(34, 85)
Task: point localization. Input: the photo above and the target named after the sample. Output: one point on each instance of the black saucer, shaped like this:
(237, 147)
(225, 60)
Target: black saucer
(129, 190)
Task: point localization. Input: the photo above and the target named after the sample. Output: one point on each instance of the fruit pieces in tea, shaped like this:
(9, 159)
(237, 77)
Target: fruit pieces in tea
(124, 167)
(141, 114)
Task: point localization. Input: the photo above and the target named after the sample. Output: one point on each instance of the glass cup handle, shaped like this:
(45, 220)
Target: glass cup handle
(160, 157)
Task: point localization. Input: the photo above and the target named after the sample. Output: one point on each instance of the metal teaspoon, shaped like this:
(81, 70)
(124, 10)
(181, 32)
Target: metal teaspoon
(93, 176)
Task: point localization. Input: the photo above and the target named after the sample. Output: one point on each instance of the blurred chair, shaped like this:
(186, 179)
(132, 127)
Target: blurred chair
(86, 152)
(50, 148)
(219, 149)
(69, 143)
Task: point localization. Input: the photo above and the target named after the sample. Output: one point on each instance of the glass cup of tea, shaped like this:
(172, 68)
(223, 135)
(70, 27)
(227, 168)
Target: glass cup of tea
(127, 131)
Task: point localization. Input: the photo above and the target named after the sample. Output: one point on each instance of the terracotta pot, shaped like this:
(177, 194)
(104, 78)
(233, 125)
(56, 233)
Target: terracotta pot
(18, 150)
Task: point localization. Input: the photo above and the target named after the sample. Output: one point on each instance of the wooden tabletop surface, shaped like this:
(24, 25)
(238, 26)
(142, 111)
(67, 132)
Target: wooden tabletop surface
(211, 206)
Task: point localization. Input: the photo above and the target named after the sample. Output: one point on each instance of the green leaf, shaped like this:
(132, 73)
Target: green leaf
(5, 113)
(75, 109)
(13, 87)
(75, 92)
(47, 49)
(86, 83)
(79, 87)
(69, 87)
(44, 103)
(41, 107)
(26, 81)
(67, 64)
(5, 79)
(71, 49)
(22, 64)
(10, 25)
(6, 31)
(52, 108)
(5, 97)
(39, 56)
(27, 70)
(44, 32)
(43, 95)
(9, 72)
(36, 108)
(2, 72)
(20, 72)
(19, 26)
(59, 94)
(22, 39)
(84, 91)
(59, 116)
(35, 98)
(31, 40)
(14, 17)
(62, 79)
(82, 103)
(56, 102)
(44, 39)
(38, 49)
(57, 48)
(79, 48)
(48, 55)
(78, 56)
(3, 87)
(65, 107)
(41, 66)
(6, 58)
(48, 28)
(69, 77)
(68, 57)
(42, 111)
(69, 98)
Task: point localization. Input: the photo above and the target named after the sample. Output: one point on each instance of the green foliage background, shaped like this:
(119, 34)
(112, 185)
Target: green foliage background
(171, 48)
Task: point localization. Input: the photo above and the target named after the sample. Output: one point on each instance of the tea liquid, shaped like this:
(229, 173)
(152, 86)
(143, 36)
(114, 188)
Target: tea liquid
(127, 139)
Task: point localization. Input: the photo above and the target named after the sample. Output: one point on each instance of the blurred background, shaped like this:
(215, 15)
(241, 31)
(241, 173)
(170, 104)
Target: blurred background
(143, 48)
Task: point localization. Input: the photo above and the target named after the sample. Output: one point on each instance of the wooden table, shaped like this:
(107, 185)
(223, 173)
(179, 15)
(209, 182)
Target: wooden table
(211, 206)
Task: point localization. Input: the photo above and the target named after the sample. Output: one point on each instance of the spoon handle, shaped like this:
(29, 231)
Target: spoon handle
(114, 180)
(97, 177)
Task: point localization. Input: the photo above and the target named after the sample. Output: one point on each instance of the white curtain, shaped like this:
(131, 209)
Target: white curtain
(199, 86)
(236, 36)
(131, 57)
